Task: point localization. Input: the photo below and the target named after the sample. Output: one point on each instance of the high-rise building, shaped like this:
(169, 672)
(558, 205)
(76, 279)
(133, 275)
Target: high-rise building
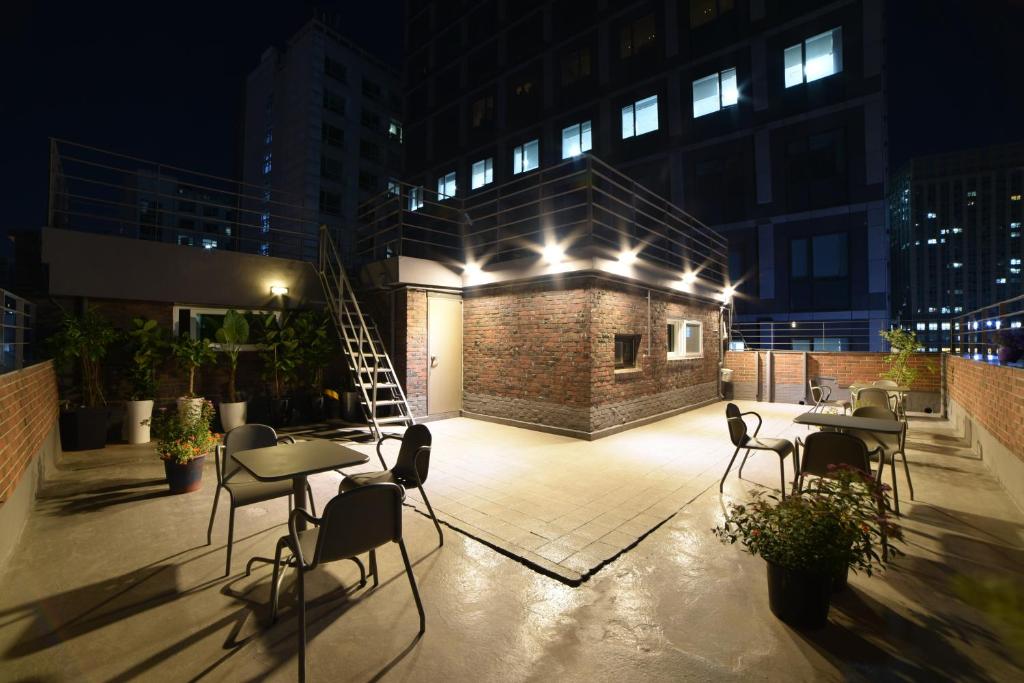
(763, 119)
(957, 240)
(321, 133)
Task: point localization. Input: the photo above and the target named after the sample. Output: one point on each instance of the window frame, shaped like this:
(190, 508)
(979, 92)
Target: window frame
(579, 136)
(679, 326)
(837, 58)
(518, 154)
(719, 78)
(629, 44)
(488, 173)
(634, 342)
(631, 108)
(415, 198)
(442, 186)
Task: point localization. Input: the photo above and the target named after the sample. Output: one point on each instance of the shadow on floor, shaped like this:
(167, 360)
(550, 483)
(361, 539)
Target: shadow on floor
(67, 498)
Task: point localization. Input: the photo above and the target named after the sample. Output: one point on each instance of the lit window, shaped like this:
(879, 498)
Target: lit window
(415, 198)
(640, 117)
(1015, 262)
(446, 186)
(526, 157)
(945, 326)
(933, 241)
(264, 248)
(817, 57)
(269, 135)
(209, 244)
(395, 130)
(933, 326)
(1000, 280)
(714, 92)
(931, 214)
(956, 264)
(920, 326)
(684, 339)
(268, 163)
(972, 193)
(576, 139)
(957, 231)
(1014, 197)
(394, 189)
(958, 309)
(483, 173)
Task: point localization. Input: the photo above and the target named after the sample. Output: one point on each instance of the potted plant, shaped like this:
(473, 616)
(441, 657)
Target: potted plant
(233, 333)
(316, 344)
(279, 355)
(83, 340)
(145, 343)
(902, 345)
(183, 439)
(191, 354)
(1011, 344)
(811, 539)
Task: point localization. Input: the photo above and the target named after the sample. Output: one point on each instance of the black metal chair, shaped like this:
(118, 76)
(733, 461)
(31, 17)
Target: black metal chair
(354, 522)
(410, 469)
(887, 444)
(822, 451)
(821, 397)
(740, 439)
(244, 489)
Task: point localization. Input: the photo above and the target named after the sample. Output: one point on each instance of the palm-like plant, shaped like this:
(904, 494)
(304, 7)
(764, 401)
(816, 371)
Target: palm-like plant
(233, 333)
(279, 351)
(85, 339)
(145, 344)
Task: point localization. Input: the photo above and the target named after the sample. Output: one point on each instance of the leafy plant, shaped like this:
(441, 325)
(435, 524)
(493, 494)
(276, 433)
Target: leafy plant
(145, 345)
(233, 333)
(831, 525)
(192, 354)
(184, 435)
(1010, 337)
(903, 344)
(316, 344)
(85, 339)
(279, 351)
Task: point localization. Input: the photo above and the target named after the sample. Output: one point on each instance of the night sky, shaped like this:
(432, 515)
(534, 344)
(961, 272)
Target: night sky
(164, 80)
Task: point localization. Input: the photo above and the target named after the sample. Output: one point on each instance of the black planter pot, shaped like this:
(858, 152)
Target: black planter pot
(185, 478)
(840, 580)
(800, 599)
(83, 429)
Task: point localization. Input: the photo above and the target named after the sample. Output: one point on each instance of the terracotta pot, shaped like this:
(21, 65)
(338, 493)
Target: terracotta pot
(185, 478)
(799, 598)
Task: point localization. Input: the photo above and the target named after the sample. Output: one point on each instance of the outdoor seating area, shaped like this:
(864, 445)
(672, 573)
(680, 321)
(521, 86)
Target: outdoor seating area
(113, 579)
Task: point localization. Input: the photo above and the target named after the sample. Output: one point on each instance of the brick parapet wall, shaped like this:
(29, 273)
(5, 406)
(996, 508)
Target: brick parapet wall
(413, 336)
(28, 413)
(993, 396)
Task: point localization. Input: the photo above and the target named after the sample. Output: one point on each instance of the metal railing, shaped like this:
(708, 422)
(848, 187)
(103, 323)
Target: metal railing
(806, 335)
(975, 333)
(99, 191)
(580, 204)
(16, 332)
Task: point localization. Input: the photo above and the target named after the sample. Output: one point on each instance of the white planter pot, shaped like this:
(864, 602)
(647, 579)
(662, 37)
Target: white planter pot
(187, 404)
(134, 413)
(232, 415)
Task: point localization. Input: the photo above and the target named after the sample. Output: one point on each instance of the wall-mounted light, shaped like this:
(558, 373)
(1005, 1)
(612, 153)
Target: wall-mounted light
(278, 290)
(627, 257)
(689, 278)
(727, 293)
(793, 324)
(553, 254)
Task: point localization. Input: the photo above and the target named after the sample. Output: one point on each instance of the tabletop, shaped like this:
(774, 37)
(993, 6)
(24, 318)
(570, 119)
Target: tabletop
(895, 390)
(867, 424)
(273, 463)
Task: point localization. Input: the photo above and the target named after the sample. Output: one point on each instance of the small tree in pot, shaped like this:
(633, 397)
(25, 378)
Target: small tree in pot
(316, 344)
(810, 539)
(279, 355)
(191, 355)
(145, 346)
(183, 441)
(83, 341)
(233, 333)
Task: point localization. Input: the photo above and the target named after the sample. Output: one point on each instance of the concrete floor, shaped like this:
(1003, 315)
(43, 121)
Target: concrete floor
(113, 581)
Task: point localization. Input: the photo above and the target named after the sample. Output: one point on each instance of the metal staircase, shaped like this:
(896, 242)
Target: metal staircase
(381, 396)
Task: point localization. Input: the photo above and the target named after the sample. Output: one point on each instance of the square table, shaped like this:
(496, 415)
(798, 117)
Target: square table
(296, 462)
(867, 424)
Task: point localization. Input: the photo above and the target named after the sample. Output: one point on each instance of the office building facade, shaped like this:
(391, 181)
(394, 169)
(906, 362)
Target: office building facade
(321, 135)
(763, 119)
(956, 223)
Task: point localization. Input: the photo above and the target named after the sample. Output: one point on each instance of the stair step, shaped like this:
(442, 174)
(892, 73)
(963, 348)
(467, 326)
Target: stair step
(388, 402)
(380, 385)
(391, 420)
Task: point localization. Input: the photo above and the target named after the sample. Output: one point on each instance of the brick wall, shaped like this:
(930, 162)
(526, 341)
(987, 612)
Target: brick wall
(993, 395)
(411, 336)
(28, 413)
(544, 353)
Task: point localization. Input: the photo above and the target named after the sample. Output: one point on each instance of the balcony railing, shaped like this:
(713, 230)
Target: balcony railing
(16, 331)
(974, 333)
(581, 204)
(94, 190)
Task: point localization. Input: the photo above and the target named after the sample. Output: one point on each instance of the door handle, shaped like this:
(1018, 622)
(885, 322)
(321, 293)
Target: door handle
(433, 361)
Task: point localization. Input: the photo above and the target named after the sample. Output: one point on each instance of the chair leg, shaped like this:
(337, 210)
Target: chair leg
(302, 625)
(290, 505)
(906, 470)
(742, 463)
(275, 581)
(231, 538)
(373, 568)
(895, 487)
(412, 583)
(721, 484)
(782, 476)
(309, 496)
(437, 526)
(213, 515)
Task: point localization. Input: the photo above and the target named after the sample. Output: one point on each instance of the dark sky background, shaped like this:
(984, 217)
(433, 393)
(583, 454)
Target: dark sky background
(164, 81)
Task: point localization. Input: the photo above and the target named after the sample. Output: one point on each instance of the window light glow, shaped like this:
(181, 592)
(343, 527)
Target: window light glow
(278, 290)
(576, 139)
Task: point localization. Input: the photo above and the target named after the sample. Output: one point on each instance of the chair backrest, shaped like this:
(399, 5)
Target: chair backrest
(816, 391)
(885, 384)
(243, 438)
(410, 460)
(823, 449)
(876, 412)
(357, 521)
(873, 397)
(890, 442)
(737, 427)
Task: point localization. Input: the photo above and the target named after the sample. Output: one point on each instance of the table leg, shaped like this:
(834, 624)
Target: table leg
(299, 496)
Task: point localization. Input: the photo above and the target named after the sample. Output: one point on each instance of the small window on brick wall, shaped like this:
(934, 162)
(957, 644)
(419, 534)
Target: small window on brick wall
(627, 347)
(685, 339)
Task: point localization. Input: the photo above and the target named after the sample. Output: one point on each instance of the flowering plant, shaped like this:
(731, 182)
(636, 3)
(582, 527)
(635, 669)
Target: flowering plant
(832, 524)
(182, 436)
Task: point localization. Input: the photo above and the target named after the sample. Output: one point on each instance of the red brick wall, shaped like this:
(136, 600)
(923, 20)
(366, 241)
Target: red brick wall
(414, 336)
(993, 395)
(849, 367)
(28, 412)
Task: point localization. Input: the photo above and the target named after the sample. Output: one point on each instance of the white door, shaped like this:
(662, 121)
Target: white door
(444, 353)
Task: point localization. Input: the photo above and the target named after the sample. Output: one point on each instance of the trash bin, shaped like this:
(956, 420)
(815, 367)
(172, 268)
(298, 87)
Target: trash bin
(726, 375)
